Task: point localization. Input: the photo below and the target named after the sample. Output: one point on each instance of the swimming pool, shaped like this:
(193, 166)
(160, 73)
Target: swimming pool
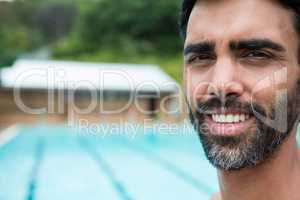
(57, 162)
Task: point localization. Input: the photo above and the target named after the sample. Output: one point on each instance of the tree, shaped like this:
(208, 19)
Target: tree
(144, 26)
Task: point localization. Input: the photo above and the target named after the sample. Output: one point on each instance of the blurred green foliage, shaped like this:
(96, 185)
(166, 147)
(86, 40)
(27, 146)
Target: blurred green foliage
(16, 35)
(131, 31)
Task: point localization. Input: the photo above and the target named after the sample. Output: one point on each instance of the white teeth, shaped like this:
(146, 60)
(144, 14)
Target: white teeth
(236, 118)
(242, 118)
(230, 118)
(215, 118)
(218, 118)
(222, 118)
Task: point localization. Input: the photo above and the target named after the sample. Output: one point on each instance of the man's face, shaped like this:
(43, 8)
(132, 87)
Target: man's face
(242, 79)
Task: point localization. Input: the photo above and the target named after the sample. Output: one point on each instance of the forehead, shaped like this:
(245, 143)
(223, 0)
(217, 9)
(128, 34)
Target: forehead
(230, 20)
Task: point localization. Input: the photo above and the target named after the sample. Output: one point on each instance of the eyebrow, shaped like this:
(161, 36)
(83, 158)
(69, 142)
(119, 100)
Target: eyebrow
(201, 47)
(256, 44)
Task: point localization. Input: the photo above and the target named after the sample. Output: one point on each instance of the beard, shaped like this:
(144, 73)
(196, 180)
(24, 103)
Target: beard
(258, 143)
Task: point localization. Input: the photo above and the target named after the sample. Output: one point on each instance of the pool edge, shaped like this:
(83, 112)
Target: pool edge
(8, 134)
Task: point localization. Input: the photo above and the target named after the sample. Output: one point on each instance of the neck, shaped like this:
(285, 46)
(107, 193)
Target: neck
(278, 178)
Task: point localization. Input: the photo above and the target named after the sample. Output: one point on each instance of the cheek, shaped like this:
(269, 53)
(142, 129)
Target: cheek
(293, 81)
(196, 84)
(272, 88)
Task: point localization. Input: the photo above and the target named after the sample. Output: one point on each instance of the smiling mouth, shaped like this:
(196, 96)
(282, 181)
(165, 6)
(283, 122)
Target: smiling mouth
(229, 124)
(229, 118)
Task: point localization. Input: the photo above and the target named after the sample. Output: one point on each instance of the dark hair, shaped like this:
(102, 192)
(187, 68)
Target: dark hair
(188, 5)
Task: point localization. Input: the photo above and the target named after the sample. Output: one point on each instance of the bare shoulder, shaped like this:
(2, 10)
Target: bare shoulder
(216, 196)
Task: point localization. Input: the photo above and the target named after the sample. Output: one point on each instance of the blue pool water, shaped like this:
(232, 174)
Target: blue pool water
(59, 163)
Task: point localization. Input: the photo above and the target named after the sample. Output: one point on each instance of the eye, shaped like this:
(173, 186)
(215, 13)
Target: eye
(257, 54)
(200, 58)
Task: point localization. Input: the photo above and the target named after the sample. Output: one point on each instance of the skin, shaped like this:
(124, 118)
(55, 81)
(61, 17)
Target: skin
(239, 73)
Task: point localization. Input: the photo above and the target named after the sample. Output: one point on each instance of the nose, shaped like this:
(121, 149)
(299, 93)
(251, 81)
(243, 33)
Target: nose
(225, 80)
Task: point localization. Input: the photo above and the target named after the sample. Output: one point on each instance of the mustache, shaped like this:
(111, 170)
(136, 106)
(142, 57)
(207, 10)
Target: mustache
(230, 102)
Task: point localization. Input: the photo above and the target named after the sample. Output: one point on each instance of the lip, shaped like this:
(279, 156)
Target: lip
(227, 111)
(228, 129)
